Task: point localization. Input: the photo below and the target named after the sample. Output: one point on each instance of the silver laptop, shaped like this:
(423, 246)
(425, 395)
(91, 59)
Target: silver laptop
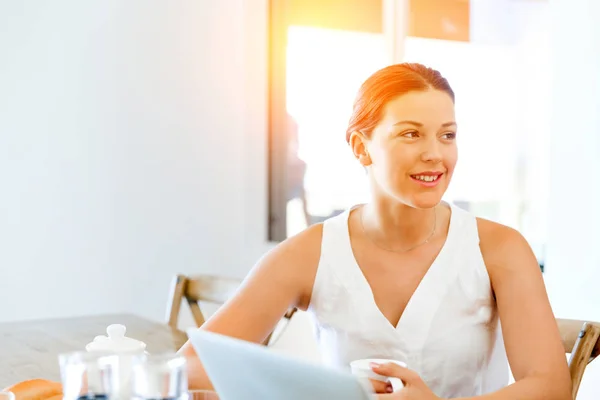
(241, 370)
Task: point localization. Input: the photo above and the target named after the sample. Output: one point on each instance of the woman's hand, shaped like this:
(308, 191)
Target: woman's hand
(414, 387)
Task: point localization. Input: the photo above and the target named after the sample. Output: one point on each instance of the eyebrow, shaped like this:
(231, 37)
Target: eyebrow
(415, 123)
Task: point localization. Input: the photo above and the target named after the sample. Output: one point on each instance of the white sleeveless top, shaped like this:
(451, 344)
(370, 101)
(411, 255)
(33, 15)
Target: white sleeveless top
(449, 332)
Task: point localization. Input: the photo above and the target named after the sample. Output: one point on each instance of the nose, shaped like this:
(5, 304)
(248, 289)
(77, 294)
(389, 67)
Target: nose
(431, 152)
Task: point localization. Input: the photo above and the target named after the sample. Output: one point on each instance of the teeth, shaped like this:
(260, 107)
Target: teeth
(426, 178)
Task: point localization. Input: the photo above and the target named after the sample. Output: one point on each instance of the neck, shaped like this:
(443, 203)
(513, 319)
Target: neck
(397, 225)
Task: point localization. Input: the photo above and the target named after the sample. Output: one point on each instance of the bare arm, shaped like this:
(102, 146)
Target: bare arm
(282, 279)
(531, 336)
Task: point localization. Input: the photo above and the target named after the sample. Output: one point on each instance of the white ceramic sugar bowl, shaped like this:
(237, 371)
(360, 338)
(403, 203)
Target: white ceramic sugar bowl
(125, 348)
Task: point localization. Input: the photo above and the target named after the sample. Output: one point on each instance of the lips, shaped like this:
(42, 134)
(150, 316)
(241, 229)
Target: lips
(427, 179)
(428, 176)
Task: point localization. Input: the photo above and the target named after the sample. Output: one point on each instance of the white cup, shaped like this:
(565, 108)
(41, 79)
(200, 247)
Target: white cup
(362, 369)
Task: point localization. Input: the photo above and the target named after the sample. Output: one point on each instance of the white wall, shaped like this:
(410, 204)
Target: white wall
(132, 147)
(573, 263)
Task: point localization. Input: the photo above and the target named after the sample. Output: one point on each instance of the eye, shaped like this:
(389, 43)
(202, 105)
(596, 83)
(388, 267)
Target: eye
(449, 135)
(410, 134)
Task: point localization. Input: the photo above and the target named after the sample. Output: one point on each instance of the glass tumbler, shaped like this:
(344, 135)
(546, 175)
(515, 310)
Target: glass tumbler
(88, 375)
(160, 377)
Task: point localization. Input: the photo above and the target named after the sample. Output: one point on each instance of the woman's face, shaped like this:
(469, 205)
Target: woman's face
(412, 152)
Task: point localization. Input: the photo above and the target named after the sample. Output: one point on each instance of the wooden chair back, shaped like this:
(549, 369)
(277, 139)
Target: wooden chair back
(204, 288)
(581, 340)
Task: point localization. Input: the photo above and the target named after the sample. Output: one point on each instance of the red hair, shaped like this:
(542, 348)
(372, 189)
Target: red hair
(387, 84)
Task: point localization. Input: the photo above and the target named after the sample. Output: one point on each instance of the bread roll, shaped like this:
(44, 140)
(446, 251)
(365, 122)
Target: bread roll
(36, 389)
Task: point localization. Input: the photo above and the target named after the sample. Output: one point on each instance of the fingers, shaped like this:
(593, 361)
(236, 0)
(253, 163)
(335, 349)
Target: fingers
(381, 387)
(394, 370)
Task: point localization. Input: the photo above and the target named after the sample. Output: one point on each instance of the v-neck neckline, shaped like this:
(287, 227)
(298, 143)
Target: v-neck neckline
(421, 289)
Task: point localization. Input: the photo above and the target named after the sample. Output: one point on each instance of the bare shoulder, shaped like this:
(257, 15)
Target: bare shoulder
(302, 249)
(296, 260)
(503, 247)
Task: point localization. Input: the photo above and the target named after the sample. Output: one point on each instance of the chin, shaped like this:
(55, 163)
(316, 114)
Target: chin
(425, 200)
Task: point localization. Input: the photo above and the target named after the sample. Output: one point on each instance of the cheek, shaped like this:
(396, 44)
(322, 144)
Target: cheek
(402, 155)
(399, 161)
(450, 159)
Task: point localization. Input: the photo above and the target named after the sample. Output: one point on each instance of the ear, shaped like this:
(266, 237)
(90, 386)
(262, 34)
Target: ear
(358, 143)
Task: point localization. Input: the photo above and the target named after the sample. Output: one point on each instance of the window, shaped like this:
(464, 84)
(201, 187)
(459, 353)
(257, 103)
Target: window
(494, 58)
(321, 51)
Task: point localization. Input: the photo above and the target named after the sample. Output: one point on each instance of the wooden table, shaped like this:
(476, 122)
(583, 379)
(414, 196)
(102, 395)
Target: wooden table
(30, 349)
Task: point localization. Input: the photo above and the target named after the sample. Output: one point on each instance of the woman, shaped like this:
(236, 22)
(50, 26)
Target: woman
(408, 276)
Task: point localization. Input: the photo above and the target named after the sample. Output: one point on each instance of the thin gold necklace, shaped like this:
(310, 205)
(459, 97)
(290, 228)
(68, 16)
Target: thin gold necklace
(362, 225)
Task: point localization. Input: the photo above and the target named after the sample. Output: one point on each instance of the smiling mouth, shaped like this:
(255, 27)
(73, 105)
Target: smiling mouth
(427, 178)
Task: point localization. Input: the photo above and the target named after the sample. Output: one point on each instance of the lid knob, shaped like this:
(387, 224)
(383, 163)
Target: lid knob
(116, 331)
